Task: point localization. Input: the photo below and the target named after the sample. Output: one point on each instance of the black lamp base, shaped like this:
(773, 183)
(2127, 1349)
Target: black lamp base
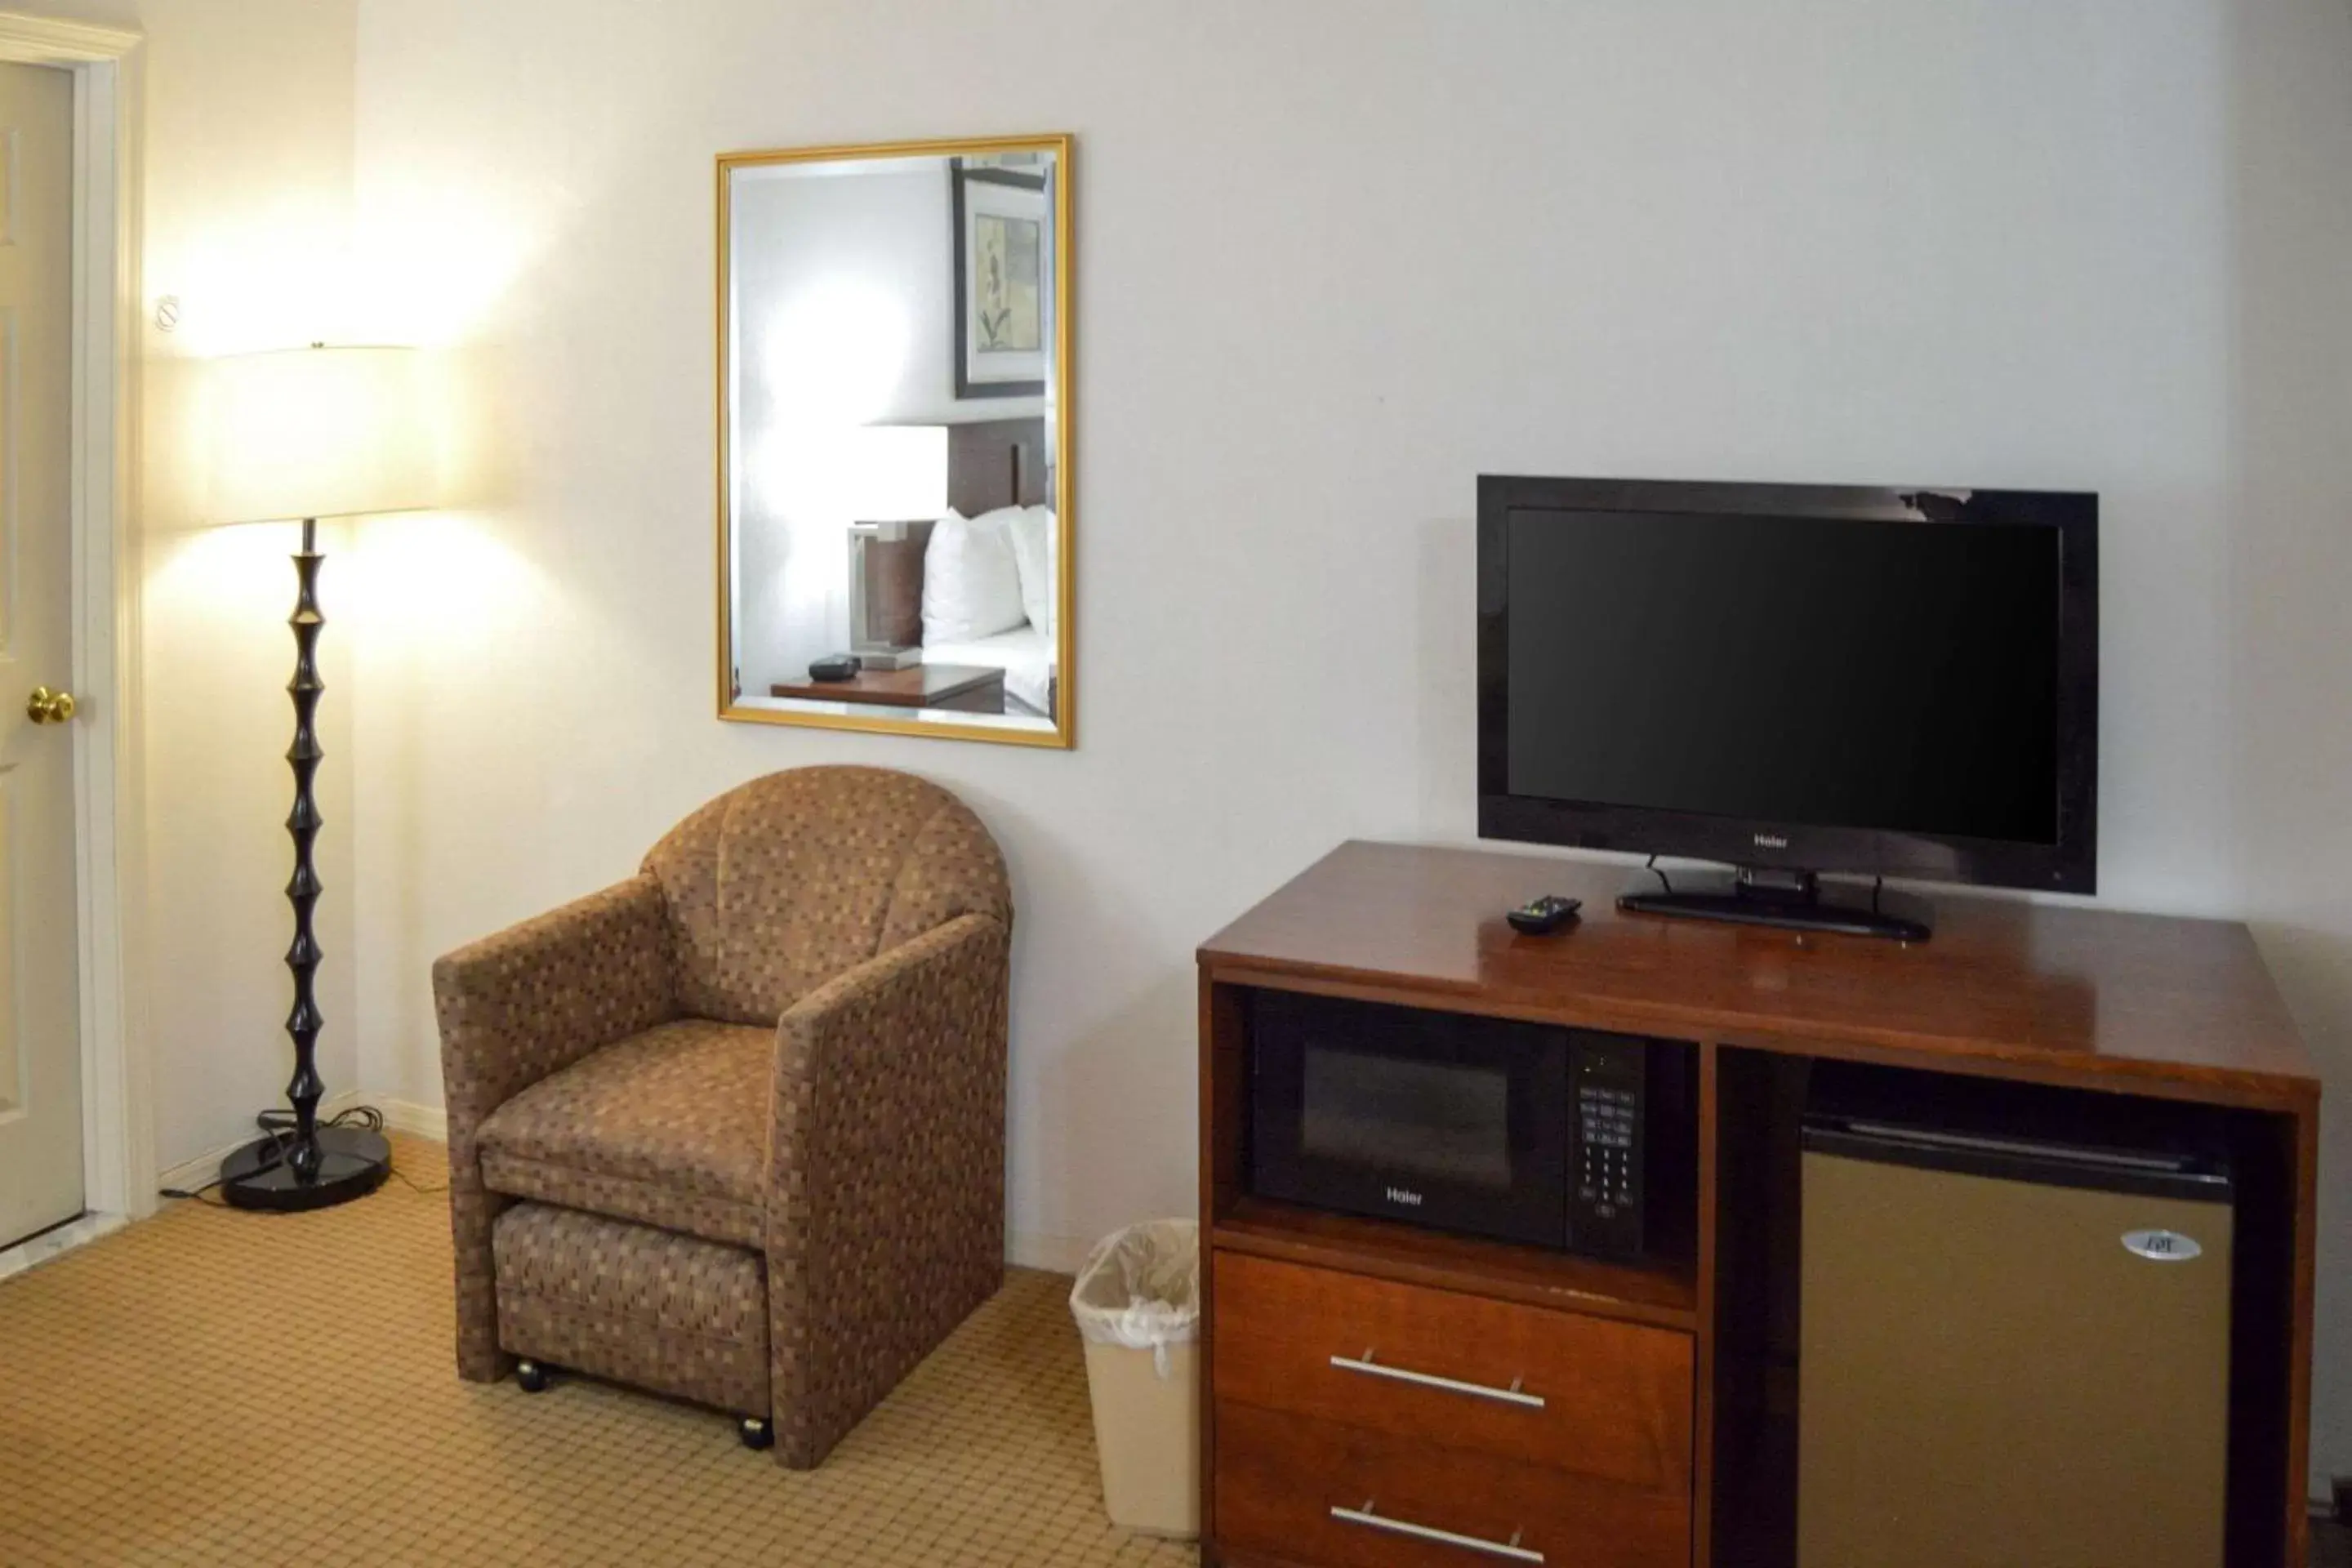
(352, 1162)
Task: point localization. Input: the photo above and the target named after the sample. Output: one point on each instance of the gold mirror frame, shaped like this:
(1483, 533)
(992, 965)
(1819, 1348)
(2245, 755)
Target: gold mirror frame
(1064, 733)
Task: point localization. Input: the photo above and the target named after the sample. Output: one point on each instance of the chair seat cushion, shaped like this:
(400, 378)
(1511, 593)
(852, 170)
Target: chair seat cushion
(667, 1128)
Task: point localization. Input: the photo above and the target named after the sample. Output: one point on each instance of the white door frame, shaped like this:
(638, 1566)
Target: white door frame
(117, 1121)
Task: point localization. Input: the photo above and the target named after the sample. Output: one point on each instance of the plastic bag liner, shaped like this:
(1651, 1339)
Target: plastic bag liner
(1140, 1287)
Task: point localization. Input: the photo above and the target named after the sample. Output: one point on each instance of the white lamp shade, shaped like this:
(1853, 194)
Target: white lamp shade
(894, 473)
(319, 432)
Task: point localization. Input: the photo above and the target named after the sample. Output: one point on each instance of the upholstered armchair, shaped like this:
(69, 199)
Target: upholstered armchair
(734, 1129)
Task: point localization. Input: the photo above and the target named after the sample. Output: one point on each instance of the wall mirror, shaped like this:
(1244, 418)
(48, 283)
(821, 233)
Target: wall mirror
(893, 451)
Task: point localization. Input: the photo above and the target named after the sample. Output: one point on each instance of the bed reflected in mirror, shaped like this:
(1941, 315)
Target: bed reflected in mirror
(894, 523)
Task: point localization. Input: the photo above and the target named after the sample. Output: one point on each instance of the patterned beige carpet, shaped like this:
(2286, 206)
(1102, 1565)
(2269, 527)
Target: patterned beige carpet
(214, 1388)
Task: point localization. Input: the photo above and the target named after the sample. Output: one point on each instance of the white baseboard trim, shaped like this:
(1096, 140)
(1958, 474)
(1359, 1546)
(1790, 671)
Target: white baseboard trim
(419, 1121)
(1055, 1253)
(194, 1175)
(1024, 1249)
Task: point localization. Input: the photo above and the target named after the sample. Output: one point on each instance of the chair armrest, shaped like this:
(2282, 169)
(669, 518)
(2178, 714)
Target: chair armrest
(537, 996)
(513, 1008)
(886, 1197)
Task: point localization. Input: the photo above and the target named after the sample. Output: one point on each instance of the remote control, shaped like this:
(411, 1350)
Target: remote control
(1541, 917)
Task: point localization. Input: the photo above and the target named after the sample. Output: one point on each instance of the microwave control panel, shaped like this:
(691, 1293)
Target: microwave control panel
(1606, 1079)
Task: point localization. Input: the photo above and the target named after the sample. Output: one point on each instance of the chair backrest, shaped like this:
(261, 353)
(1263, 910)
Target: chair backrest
(783, 883)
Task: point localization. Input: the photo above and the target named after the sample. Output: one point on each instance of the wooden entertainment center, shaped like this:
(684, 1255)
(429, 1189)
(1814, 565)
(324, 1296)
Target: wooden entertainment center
(1533, 1405)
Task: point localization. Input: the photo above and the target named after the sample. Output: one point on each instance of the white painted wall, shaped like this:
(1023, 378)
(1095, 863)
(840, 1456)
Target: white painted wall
(245, 214)
(1334, 260)
(2286, 517)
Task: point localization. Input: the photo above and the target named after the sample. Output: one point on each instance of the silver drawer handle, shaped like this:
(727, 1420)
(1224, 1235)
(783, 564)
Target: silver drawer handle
(1366, 1517)
(1514, 1395)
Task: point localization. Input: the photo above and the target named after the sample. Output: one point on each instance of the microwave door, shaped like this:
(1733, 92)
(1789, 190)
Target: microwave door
(1446, 1122)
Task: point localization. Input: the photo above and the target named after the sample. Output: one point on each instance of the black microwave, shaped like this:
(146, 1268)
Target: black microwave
(1561, 1138)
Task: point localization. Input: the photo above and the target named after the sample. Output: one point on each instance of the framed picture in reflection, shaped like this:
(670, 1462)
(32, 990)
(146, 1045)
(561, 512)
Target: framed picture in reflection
(1003, 278)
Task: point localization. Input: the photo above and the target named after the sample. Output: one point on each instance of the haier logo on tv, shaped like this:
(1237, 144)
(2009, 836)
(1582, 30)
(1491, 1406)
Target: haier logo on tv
(1770, 841)
(1399, 1195)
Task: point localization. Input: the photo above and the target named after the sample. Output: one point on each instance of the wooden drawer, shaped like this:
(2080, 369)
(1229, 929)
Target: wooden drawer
(1550, 1388)
(1298, 1490)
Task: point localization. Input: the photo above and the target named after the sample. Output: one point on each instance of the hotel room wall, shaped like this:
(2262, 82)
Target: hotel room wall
(1333, 260)
(2287, 513)
(245, 216)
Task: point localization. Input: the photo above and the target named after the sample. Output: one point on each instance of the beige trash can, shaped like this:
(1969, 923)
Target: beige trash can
(1138, 1304)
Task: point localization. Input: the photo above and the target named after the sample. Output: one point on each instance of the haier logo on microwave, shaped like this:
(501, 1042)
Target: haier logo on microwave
(1770, 841)
(1400, 1196)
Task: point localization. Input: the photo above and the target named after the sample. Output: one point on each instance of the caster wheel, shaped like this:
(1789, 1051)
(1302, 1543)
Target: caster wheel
(531, 1376)
(756, 1431)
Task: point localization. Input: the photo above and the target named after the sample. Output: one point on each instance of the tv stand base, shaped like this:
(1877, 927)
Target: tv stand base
(1791, 900)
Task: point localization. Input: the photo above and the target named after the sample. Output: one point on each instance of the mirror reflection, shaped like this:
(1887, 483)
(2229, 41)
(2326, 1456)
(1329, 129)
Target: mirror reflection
(894, 474)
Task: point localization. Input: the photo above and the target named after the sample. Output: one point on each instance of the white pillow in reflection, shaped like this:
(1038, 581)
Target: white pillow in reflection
(1035, 545)
(972, 584)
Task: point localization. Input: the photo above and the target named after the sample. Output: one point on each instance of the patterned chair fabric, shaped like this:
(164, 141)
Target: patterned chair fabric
(773, 1060)
(669, 1127)
(776, 887)
(648, 1306)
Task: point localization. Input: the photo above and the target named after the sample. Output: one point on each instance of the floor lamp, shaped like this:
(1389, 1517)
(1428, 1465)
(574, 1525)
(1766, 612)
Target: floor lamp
(299, 435)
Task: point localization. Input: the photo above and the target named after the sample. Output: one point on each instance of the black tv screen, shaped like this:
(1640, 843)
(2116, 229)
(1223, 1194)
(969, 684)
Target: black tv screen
(1830, 679)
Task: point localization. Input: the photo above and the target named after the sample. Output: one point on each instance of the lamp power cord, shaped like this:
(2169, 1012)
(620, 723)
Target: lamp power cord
(277, 1124)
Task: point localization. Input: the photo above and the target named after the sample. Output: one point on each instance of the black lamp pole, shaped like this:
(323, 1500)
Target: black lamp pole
(298, 1164)
(302, 892)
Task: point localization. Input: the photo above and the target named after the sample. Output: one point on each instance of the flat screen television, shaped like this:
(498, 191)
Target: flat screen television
(1792, 679)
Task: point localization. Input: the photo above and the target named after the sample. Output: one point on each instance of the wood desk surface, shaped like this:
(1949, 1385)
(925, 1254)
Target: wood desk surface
(2070, 993)
(916, 686)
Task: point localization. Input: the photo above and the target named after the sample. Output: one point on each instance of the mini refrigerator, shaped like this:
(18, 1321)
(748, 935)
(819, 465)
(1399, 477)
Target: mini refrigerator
(2014, 1340)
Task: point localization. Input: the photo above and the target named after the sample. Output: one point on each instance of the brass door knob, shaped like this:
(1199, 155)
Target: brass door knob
(48, 707)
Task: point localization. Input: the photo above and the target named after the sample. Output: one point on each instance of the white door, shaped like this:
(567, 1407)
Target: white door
(40, 1048)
